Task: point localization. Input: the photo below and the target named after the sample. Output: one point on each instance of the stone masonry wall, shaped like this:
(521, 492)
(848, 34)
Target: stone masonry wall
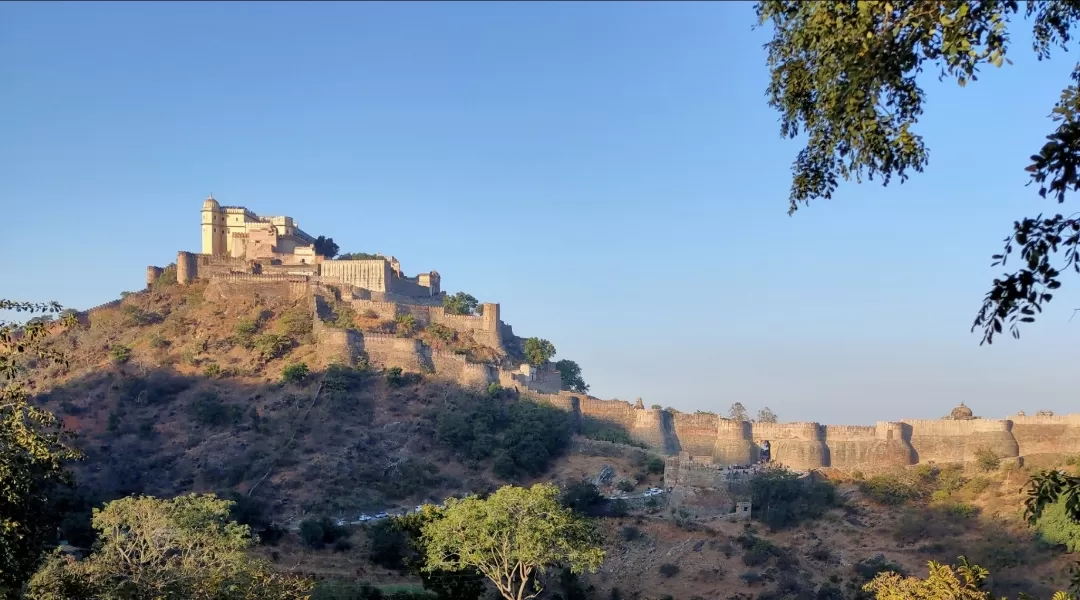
(707, 438)
(485, 328)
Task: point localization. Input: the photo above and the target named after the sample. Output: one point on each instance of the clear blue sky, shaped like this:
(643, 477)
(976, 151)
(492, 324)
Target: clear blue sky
(610, 173)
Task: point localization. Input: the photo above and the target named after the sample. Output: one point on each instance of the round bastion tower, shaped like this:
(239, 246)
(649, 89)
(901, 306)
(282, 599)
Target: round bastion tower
(213, 228)
(734, 444)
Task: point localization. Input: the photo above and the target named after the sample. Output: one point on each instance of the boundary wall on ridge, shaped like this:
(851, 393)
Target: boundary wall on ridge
(705, 438)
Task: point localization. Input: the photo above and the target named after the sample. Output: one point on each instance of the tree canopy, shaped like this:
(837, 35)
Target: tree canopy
(738, 412)
(33, 445)
(511, 537)
(325, 247)
(357, 256)
(766, 415)
(464, 584)
(943, 582)
(844, 75)
(538, 351)
(181, 548)
(460, 304)
(571, 376)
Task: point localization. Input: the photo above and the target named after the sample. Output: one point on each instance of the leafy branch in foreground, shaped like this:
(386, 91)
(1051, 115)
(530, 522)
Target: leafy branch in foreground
(33, 446)
(844, 74)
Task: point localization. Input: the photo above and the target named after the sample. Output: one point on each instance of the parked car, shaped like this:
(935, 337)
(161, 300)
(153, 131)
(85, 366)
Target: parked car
(381, 515)
(363, 518)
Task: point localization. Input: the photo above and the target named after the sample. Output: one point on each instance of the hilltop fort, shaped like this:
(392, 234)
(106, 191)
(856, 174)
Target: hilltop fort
(243, 253)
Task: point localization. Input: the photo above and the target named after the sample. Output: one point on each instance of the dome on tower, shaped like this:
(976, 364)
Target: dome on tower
(210, 203)
(961, 413)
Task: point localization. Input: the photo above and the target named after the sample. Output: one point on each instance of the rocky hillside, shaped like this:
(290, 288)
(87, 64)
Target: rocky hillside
(175, 390)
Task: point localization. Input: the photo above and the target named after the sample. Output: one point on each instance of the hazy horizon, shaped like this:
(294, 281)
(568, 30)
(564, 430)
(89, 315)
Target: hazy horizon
(610, 173)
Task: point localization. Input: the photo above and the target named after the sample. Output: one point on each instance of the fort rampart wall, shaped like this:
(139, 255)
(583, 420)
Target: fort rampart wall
(709, 439)
(706, 437)
(485, 328)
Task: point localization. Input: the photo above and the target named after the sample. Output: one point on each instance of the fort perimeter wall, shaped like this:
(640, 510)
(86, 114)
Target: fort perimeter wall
(704, 438)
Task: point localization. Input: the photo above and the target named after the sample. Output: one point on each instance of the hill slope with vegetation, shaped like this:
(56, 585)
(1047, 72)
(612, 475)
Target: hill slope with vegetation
(174, 391)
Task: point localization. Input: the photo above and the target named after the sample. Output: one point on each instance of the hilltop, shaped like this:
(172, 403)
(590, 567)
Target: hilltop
(177, 388)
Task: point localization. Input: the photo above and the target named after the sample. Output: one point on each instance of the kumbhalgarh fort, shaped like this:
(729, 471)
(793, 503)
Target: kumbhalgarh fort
(243, 254)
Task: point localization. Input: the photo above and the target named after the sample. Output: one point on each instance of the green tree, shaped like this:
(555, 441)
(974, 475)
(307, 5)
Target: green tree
(844, 76)
(33, 446)
(538, 351)
(571, 376)
(766, 415)
(460, 304)
(181, 548)
(357, 256)
(942, 583)
(1055, 527)
(511, 537)
(582, 497)
(325, 247)
(464, 584)
(737, 412)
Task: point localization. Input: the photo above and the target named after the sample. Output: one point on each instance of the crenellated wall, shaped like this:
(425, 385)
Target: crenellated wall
(696, 432)
(485, 328)
(958, 441)
(704, 438)
(734, 443)
(1047, 434)
(708, 439)
(796, 445)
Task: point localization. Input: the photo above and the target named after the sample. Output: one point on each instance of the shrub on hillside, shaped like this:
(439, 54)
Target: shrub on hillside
(294, 373)
(922, 482)
(344, 317)
(396, 377)
(618, 508)
(594, 429)
(669, 570)
(522, 438)
(208, 409)
(271, 345)
(1055, 527)
(780, 499)
(404, 325)
(888, 489)
(654, 465)
(441, 332)
(158, 342)
(316, 533)
(244, 332)
(986, 460)
(295, 323)
(120, 354)
(630, 533)
(167, 277)
(211, 370)
(389, 545)
(582, 497)
(869, 568)
(133, 316)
